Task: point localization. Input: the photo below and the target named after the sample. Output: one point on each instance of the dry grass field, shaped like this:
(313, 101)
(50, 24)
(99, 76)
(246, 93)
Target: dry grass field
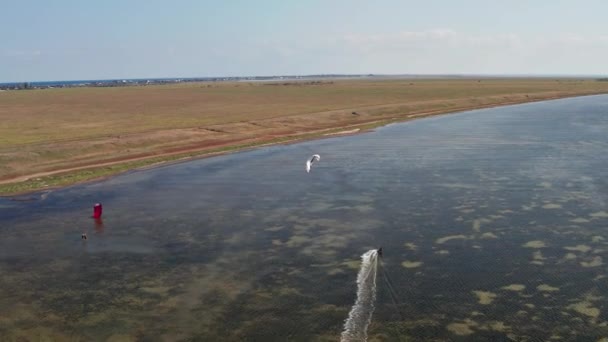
(60, 136)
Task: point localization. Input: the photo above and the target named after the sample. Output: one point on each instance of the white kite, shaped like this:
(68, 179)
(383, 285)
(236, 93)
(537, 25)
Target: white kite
(314, 158)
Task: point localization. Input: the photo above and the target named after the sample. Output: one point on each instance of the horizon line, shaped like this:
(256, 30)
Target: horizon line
(325, 75)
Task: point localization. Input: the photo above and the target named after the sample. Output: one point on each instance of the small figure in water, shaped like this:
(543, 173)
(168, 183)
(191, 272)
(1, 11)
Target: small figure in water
(379, 250)
(83, 236)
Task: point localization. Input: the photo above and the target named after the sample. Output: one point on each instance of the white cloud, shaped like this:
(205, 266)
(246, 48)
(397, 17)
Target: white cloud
(21, 53)
(433, 51)
(443, 50)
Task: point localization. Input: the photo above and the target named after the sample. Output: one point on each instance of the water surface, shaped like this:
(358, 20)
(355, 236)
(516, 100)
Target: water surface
(493, 222)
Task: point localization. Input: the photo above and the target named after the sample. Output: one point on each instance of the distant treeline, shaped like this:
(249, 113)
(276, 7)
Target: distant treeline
(298, 83)
(156, 81)
(605, 79)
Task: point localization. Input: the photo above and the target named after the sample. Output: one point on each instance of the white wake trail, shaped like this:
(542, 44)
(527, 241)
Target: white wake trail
(360, 316)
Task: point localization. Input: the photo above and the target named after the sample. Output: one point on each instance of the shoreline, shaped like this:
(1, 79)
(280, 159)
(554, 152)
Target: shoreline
(61, 178)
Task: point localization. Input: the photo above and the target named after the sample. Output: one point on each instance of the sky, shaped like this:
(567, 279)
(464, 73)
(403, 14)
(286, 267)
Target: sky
(44, 40)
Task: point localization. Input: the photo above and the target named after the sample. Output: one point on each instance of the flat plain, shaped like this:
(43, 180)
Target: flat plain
(56, 137)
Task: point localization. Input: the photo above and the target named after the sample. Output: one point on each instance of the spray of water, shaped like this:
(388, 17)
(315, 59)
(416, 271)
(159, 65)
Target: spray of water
(360, 316)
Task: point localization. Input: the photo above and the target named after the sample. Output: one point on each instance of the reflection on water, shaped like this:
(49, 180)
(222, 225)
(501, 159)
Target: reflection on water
(493, 222)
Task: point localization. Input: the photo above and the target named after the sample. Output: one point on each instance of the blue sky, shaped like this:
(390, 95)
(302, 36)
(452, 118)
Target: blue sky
(65, 40)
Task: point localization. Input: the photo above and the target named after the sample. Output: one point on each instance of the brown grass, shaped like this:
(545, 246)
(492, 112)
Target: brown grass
(43, 132)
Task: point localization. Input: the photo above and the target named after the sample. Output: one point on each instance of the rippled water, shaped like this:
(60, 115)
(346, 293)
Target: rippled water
(494, 225)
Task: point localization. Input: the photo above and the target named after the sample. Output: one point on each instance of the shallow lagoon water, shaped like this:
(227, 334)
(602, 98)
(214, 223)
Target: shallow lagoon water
(494, 225)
